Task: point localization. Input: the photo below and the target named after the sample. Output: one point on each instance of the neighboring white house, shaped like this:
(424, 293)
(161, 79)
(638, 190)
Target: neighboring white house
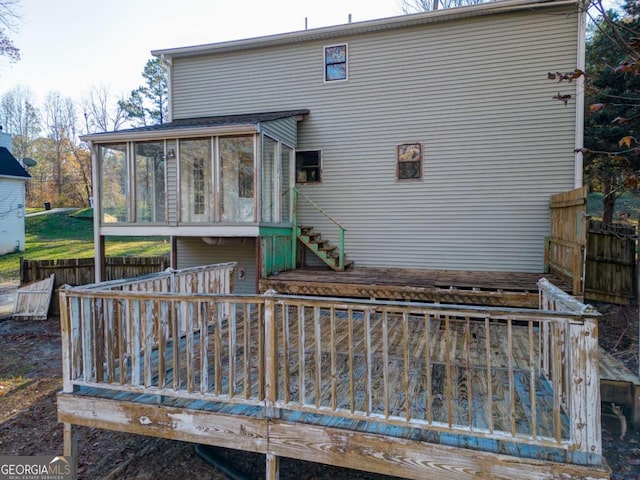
(13, 178)
(434, 139)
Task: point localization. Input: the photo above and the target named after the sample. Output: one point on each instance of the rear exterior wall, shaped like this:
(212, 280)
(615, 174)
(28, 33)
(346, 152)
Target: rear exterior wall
(474, 92)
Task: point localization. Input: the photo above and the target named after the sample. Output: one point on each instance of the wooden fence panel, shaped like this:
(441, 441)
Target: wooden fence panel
(81, 271)
(568, 238)
(611, 263)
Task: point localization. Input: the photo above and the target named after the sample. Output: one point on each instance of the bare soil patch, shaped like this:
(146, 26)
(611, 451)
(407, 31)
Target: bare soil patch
(30, 376)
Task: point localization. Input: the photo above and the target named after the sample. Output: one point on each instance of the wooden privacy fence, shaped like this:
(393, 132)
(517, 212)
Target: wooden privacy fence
(528, 377)
(598, 260)
(610, 269)
(568, 238)
(81, 271)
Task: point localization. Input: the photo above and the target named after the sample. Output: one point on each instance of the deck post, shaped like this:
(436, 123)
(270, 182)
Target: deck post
(270, 355)
(65, 326)
(273, 467)
(70, 448)
(585, 392)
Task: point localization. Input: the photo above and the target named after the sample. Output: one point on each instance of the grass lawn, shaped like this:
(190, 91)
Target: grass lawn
(62, 235)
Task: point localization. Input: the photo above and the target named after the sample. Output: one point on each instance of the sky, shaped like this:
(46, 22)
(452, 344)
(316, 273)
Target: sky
(70, 46)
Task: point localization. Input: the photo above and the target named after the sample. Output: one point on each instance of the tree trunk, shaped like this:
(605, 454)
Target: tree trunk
(608, 202)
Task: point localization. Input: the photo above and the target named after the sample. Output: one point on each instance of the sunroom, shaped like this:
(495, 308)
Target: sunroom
(216, 181)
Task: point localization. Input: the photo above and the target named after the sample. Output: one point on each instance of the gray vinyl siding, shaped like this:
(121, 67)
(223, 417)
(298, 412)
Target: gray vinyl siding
(172, 191)
(285, 130)
(474, 92)
(192, 252)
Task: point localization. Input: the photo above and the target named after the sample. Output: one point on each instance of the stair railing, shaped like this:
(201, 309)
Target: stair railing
(295, 193)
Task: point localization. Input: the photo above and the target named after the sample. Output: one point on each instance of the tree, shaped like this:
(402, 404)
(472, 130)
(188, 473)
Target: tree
(415, 6)
(20, 117)
(99, 115)
(147, 104)
(70, 162)
(8, 19)
(612, 157)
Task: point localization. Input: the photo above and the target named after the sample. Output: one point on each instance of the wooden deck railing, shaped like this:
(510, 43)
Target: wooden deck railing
(514, 375)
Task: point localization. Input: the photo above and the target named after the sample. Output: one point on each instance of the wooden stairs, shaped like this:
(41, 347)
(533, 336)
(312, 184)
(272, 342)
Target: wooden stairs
(329, 254)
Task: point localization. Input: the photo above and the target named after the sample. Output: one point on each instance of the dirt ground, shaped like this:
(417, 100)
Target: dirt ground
(30, 374)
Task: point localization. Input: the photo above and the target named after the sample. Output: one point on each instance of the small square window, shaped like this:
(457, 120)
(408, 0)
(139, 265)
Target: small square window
(335, 63)
(308, 166)
(409, 164)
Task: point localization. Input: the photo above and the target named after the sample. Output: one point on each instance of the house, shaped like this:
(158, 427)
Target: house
(430, 141)
(13, 179)
(421, 143)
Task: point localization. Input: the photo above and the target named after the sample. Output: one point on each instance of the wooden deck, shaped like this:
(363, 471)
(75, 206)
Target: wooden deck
(410, 389)
(514, 289)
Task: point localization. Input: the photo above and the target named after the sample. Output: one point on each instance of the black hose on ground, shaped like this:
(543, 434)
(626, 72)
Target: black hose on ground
(207, 454)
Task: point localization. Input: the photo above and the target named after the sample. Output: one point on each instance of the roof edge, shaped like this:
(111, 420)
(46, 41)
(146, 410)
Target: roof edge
(401, 21)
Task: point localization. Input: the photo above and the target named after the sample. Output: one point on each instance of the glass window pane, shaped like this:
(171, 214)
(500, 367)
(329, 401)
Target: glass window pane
(286, 156)
(269, 194)
(196, 203)
(237, 177)
(150, 183)
(336, 54)
(113, 182)
(337, 71)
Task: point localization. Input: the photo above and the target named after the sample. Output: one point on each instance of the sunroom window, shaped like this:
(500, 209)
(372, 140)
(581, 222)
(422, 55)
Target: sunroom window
(150, 181)
(237, 179)
(196, 184)
(113, 182)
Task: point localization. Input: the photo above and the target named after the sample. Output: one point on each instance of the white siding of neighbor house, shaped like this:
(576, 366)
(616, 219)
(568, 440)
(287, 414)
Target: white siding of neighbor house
(474, 92)
(12, 210)
(193, 251)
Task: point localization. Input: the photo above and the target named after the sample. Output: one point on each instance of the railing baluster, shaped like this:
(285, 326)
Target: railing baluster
(427, 363)
(385, 362)
(175, 341)
(232, 350)
(88, 337)
(163, 332)
(217, 338)
(148, 348)
(405, 339)
(332, 347)
(318, 353)
(352, 400)
(367, 364)
(487, 347)
(512, 391)
(448, 386)
(557, 383)
(246, 345)
(134, 325)
(301, 354)
(110, 340)
(532, 382)
(467, 342)
(284, 309)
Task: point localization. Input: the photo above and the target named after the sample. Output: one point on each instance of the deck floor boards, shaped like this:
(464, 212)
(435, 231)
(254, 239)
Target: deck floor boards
(517, 289)
(458, 393)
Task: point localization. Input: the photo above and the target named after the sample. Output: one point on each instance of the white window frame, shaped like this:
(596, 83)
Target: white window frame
(346, 63)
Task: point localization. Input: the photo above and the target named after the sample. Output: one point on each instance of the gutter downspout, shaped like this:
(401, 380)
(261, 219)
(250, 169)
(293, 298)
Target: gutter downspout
(580, 104)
